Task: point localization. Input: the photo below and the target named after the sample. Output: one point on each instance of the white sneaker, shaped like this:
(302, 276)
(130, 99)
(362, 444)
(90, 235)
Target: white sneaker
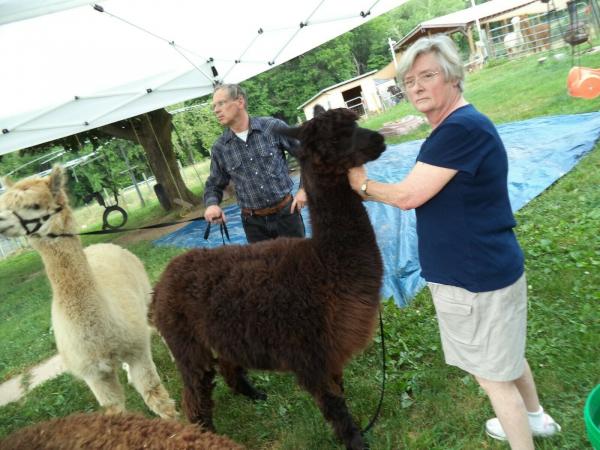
(548, 428)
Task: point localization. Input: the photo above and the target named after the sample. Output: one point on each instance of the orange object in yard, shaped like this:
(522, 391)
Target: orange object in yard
(584, 82)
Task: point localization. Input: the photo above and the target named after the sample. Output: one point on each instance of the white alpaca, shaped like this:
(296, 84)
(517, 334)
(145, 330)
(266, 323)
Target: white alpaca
(513, 41)
(100, 295)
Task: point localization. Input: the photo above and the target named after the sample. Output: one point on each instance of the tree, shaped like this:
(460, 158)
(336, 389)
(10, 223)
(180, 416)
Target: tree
(196, 129)
(281, 90)
(152, 131)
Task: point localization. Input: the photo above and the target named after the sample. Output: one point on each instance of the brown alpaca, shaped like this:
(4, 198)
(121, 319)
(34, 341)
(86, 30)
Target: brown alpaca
(115, 432)
(297, 305)
(536, 36)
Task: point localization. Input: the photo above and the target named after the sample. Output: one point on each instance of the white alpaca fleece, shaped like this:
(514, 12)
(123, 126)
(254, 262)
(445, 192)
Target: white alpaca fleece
(113, 330)
(100, 296)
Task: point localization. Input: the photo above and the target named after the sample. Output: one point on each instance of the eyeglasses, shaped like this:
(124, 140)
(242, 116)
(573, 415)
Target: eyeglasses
(221, 103)
(422, 79)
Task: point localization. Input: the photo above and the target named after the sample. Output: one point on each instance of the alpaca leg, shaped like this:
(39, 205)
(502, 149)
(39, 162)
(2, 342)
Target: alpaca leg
(195, 363)
(236, 379)
(197, 396)
(338, 379)
(335, 410)
(330, 399)
(108, 391)
(146, 381)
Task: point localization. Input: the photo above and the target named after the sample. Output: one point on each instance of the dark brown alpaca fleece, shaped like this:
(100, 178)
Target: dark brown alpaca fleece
(114, 432)
(298, 305)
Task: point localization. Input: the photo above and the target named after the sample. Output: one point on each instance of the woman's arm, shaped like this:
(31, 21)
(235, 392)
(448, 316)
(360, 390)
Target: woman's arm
(422, 183)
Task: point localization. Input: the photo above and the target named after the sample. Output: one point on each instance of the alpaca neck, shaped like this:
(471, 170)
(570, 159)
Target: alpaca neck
(67, 268)
(342, 234)
(338, 216)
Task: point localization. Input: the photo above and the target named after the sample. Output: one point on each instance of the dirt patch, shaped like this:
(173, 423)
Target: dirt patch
(402, 126)
(152, 234)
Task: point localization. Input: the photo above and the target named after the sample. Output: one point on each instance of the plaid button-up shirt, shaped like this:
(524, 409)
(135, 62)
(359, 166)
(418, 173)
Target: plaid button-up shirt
(257, 167)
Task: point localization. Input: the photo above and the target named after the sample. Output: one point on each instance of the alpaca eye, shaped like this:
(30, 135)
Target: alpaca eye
(35, 206)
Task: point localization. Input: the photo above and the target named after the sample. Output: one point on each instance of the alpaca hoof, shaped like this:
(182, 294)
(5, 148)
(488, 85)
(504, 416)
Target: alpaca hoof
(113, 409)
(357, 443)
(258, 395)
(248, 390)
(169, 412)
(208, 426)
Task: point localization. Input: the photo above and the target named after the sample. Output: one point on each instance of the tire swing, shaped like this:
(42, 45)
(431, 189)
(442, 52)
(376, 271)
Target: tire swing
(106, 225)
(108, 210)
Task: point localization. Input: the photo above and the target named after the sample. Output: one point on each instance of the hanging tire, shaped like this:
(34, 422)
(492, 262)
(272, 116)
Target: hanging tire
(110, 209)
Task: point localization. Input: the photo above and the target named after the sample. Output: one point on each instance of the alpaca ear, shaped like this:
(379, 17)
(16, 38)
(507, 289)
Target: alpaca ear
(318, 110)
(293, 132)
(57, 180)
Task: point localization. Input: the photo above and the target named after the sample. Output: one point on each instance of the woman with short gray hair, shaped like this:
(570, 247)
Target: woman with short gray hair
(468, 251)
(444, 49)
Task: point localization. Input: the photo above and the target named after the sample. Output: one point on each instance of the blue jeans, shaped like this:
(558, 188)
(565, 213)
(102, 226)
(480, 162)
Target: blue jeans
(281, 224)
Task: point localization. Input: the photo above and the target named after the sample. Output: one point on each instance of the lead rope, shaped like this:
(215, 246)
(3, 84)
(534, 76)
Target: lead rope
(119, 230)
(378, 410)
(222, 229)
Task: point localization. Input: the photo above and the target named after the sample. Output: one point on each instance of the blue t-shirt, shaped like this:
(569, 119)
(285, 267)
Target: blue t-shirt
(465, 232)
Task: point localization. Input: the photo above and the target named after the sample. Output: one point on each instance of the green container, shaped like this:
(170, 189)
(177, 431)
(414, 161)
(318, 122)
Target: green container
(591, 414)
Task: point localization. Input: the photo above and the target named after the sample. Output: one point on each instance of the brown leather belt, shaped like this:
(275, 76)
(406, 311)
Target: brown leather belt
(269, 209)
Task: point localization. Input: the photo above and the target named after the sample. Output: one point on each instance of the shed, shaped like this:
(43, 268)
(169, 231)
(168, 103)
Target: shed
(364, 94)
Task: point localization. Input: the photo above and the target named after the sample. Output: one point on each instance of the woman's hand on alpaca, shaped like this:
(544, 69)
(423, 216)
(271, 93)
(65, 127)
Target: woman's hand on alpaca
(300, 200)
(357, 176)
(214, 214)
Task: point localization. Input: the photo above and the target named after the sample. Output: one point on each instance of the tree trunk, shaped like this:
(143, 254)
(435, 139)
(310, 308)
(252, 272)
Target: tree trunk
(153, 131)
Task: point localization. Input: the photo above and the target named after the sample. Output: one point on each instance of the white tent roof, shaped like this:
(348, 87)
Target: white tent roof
(68, 68)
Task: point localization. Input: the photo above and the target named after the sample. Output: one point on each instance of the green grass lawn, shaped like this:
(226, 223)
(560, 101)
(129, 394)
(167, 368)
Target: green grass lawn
(427, 405)
(510, 91)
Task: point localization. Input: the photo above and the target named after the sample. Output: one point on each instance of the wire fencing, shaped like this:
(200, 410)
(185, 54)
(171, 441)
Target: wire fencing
(526, 35)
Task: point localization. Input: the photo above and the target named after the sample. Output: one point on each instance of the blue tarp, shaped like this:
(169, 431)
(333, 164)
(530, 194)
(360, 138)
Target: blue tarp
(539, 150)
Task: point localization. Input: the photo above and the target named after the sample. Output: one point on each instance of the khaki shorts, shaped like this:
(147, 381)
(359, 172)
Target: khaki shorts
(483, 333)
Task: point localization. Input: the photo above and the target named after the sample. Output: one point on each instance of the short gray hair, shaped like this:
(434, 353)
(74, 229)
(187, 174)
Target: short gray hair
(233, 91)
(445, 52)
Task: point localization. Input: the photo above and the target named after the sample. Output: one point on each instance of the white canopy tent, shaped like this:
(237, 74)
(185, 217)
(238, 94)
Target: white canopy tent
(69, 66)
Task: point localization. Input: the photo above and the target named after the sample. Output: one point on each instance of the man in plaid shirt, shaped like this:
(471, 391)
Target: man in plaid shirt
(251, 154)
